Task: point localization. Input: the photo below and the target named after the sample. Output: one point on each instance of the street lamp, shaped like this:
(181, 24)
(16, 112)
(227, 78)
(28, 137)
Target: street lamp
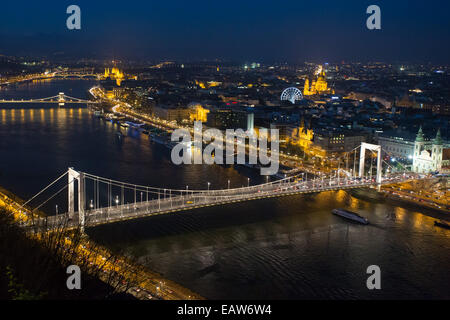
(228, 184)
(248, 182)
(117, 200)
(209, 185)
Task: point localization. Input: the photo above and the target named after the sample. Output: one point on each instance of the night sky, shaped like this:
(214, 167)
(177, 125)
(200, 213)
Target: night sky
(244, 30)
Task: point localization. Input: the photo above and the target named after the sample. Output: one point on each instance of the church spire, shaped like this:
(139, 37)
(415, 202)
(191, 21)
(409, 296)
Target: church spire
(419, 137)
(306, 88)
(438, 140)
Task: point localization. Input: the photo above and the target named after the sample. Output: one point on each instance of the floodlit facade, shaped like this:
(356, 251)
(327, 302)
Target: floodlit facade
(426, 160)
(318, 85)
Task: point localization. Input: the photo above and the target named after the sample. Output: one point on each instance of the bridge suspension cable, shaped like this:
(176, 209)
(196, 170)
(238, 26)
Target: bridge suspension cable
(156, 190)
(43, 190)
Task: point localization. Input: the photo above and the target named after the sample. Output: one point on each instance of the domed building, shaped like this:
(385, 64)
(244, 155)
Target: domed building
(114, 74)
(318, 85)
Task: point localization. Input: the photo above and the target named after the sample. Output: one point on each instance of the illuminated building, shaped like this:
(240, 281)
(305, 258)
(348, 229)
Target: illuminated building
(227, 118)
(110, 94)
(428, 160)
(207, 85)
(330, 140)
(318, 85)
(115, 74)
(171, 113)
(302, 136)
(193, 112)
(200, 84)
(197, 112)
(306, 90)
(397, 144)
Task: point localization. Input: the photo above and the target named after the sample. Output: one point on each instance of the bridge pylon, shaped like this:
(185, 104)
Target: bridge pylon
(79, 177)
(362, 158)
(61, 99)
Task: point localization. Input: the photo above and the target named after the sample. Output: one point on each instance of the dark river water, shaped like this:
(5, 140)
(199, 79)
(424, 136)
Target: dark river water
(286, 248)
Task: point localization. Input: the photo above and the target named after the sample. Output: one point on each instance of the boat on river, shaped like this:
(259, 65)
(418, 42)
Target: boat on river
(350, 215)
(442, 224)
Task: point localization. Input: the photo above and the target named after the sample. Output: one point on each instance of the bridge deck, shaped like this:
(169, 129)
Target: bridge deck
(191, 201)
(38, 101)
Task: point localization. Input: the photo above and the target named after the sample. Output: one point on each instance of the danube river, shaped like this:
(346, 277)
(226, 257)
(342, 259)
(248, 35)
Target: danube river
(286, 248)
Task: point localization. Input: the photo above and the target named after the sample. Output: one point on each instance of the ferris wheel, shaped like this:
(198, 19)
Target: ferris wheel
(291, 94)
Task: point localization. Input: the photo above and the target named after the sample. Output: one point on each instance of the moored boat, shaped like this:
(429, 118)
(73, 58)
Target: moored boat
(134, 124)
(350, 215)
(442, 224)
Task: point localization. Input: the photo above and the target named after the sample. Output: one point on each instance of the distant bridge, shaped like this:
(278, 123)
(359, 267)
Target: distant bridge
(60, 99)
(57, 74)
(79, 75)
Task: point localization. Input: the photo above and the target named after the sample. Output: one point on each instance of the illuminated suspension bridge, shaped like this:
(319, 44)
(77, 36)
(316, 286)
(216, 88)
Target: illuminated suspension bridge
(78, 75)
(94, 200)
(60, 99)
